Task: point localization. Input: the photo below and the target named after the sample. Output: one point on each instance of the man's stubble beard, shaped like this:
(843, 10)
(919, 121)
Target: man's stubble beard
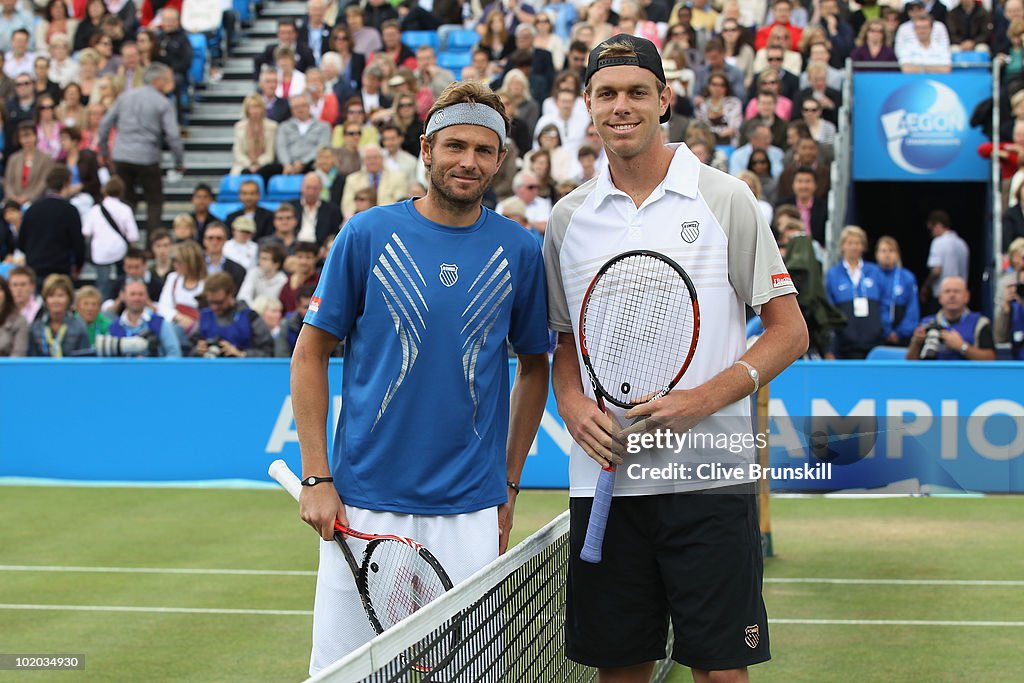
(449, 201)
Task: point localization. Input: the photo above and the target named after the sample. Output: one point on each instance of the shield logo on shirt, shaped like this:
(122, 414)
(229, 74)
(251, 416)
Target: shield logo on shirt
(449, 274)
(690, 231)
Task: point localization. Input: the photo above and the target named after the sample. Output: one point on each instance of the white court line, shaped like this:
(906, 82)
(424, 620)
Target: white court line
(894, 622)
(159, 610)
(296, 572)
(899, 582)
(308, 613)
(153, 570)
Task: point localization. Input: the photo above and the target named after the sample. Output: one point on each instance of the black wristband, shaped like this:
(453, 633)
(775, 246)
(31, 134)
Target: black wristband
(313, 481)
(512, 485)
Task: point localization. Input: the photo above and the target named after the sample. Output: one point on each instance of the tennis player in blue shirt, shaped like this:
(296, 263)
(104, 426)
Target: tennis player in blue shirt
(427, 295)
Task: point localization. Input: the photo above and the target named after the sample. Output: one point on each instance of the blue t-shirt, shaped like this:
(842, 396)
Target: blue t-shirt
(426, 310)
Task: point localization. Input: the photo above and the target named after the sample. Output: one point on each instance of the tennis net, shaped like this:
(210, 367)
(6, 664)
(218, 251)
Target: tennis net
(504, 623)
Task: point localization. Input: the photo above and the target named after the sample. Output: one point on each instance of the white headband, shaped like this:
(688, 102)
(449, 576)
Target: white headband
(470, 113)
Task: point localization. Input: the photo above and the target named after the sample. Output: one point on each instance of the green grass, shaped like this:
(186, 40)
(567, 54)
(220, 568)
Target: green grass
(259, 529)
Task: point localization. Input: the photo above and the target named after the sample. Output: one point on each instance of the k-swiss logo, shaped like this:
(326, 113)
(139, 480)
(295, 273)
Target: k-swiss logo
(690, 231)
(751, 636)
(449, 274)
(314, 304)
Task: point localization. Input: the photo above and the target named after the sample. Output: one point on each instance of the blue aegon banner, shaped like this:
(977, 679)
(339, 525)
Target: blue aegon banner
(946, 426)
(915, 127)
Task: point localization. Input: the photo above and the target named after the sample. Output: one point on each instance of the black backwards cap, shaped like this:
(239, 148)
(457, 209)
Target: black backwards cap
(647, 57)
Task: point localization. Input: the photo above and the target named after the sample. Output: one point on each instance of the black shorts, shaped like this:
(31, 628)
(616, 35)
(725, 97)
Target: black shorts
(694, 557)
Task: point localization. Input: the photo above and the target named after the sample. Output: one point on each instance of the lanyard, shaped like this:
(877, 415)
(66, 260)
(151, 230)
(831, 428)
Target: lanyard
(54, 346)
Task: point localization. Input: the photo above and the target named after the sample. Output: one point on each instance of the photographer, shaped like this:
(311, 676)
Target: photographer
(227, 329)
(1009, 326)
(141, 321)
(954, 333)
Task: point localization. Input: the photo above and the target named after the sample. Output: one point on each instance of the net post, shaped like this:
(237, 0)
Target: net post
(763, 484)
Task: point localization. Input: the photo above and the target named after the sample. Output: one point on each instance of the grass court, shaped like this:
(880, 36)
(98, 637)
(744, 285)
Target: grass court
(169, 584)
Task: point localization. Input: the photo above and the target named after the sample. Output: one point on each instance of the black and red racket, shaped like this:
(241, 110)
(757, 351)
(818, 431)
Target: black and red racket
(396, 577)
(639, 325)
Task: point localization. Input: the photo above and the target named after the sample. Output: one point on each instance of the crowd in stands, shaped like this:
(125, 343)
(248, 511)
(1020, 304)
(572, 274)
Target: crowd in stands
(95, 89)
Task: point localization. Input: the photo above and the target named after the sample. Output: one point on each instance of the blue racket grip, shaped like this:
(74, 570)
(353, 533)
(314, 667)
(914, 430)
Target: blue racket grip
(598, 517)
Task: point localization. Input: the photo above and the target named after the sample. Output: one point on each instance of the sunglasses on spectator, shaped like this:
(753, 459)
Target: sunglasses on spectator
(353, 133)
(214, 238)
(759, 161)
(338, 38)
(45, 106)
(730, 30)
(812, 108)
(532, 187)
(404, 105)
(775, 59)
(21, 83)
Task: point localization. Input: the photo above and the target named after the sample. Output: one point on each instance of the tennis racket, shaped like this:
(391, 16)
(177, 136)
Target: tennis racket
(396, 577)
(639, 325)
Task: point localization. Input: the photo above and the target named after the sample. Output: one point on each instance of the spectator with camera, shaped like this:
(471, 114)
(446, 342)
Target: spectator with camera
(857, 289)
(139, 320)
(955, 332)
(1009, 325)
(226, 328)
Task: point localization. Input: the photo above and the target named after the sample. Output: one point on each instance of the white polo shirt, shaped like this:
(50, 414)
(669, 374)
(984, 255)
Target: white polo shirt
(710, 224)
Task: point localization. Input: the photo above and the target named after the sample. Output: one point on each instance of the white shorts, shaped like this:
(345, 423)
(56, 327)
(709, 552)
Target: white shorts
(461, 543)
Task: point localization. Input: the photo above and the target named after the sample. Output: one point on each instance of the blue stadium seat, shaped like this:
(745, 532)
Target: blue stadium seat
(416, 38)
(284, 187)
(230, 184)
(887, 353)
(270, 206)
(461, 41)
(455, 61)
(197, 72)
(727, 150)
(221, 210)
